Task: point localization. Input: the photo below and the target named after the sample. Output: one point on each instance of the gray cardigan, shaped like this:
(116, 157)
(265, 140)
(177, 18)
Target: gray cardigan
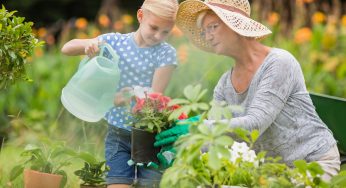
(278, 104)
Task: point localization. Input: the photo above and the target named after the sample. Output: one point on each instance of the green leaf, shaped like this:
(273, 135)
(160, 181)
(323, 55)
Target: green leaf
(87, 157)
(224, 140)
(254, 135)
(16, 171)
(301, 165)
(214, 162)
(178, 101)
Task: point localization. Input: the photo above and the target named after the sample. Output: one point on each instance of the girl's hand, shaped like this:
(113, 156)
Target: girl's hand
(123, 97)
(92, 48)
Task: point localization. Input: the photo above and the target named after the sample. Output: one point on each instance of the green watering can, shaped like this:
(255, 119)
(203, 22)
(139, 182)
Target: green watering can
(332, 111)
(89, 94)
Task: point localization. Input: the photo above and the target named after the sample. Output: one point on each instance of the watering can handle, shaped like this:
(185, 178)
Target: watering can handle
(102, 47)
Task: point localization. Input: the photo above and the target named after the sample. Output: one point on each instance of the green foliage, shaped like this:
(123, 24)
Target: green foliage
(192, 103)
(44, 158)
(230, 162)
(17, 44)
(93, 173)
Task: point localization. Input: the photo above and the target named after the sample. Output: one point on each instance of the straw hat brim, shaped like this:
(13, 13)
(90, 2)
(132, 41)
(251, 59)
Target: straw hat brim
(187, 22)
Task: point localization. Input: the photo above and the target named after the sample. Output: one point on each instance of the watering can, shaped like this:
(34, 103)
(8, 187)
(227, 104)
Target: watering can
(89, 94)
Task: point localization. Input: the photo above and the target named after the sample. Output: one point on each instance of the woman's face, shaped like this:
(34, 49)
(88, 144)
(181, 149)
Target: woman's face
(220, 37)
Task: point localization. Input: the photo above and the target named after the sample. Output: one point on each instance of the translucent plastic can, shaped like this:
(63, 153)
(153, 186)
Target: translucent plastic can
(89, 94)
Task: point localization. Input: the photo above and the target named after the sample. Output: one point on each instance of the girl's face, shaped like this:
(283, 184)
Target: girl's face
(152, 29)
(220, 37)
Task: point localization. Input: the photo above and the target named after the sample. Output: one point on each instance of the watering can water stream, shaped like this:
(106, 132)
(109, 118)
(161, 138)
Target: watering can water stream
(89, 94)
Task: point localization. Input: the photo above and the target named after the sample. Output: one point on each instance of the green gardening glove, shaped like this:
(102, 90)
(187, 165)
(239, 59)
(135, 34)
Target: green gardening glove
(169, 136)
(165, 156)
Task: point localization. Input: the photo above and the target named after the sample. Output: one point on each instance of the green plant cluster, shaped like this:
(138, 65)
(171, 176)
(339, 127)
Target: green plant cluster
(218, 166)
(92, 174)
(46, 159)
(16, 44)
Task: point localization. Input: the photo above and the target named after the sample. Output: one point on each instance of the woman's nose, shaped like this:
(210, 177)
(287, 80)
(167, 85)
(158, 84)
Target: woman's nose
(209, 36)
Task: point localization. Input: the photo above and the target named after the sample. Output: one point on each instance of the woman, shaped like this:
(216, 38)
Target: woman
(267, 82)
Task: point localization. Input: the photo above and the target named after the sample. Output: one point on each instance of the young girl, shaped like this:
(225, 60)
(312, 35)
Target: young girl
(145, 60)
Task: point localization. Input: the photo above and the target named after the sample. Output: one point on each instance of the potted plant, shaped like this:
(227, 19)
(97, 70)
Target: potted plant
(17, 44)
(93, 172)
(43, 166)
(150, 116)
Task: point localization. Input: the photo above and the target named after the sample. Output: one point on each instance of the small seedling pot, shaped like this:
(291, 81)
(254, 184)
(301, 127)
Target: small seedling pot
(142, 146)
(35, 179)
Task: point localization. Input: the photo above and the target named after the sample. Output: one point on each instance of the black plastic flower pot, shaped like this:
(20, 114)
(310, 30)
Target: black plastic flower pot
(142, 146)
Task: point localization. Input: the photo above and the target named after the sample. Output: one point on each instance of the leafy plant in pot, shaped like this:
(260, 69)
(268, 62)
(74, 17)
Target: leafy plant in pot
(43, 166)
(150, 116)
(93, 172)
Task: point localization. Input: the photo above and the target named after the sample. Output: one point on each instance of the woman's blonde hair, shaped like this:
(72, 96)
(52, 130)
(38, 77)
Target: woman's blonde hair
(166, 9)
(201, 15)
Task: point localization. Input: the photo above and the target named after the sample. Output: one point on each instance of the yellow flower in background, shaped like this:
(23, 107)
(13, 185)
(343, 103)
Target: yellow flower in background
(177, 32)
(318, 17)
(182, 53)
(81, 23)
(42, 32)
(343, 20)
(127, 19)
(303, 35)
(329, 40)
(95, 32)
(50, 40)
(38, 52)
(331, 64)
(118, 25)
(82, 35)
(273, 18)
(308, 1)
(103, 20)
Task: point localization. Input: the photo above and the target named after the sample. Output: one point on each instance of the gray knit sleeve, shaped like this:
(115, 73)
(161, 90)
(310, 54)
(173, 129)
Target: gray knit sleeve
(219, 88)
(275, 86)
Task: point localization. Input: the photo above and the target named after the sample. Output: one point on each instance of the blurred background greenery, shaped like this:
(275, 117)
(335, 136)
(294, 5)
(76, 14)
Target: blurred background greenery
(314, 31)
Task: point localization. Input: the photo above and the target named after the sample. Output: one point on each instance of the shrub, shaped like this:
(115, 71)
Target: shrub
(16, 45)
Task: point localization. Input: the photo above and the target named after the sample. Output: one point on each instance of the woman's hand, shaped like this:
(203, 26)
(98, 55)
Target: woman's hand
(123, 97)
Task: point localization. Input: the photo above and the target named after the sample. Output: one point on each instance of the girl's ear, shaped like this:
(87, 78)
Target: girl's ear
(140, 15)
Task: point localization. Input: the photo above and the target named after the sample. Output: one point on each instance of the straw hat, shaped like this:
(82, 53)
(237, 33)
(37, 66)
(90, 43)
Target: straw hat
(234, 13)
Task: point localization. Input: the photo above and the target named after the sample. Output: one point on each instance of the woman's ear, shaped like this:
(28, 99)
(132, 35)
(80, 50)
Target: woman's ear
(140, 15)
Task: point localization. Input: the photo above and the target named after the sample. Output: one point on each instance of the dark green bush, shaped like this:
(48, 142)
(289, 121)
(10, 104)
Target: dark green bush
(16, 45)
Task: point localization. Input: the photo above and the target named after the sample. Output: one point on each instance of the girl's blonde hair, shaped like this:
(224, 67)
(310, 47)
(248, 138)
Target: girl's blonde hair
(166, 9)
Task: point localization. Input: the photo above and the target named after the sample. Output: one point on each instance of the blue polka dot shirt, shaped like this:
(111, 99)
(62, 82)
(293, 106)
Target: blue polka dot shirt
(137, 66)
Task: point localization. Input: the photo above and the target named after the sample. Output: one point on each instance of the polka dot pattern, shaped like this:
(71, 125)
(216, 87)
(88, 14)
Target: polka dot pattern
(137, 67)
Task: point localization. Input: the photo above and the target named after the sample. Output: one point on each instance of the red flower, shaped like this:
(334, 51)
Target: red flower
(182, 116)
(139, 105)
(154, 96)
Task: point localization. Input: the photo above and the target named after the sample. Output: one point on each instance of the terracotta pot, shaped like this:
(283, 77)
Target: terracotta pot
(35, 179)
(88, 186)
(142, 146)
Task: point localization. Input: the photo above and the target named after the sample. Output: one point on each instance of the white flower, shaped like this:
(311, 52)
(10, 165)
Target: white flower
(140, 92)
(234, 156)
(249, 156)
(240, 147)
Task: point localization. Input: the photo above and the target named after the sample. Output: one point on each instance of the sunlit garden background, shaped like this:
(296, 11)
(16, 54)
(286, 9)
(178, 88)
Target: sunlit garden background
(31, 111)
